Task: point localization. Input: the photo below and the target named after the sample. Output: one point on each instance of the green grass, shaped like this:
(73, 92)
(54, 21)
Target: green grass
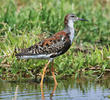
(23, 23)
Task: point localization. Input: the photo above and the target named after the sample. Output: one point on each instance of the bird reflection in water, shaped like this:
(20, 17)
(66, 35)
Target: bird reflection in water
(52, 93)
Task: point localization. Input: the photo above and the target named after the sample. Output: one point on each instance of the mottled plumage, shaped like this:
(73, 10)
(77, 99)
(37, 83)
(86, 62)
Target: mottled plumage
(52, 47)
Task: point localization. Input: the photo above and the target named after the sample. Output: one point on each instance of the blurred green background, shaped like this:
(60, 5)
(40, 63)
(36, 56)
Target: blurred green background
(25, 22)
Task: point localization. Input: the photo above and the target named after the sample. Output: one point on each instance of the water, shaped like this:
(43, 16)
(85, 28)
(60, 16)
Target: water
(84, 88)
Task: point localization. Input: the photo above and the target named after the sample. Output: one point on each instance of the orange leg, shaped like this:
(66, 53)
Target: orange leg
(51, 95)
(44, 70)
(42, 93)
(42, 78)
(53, 74)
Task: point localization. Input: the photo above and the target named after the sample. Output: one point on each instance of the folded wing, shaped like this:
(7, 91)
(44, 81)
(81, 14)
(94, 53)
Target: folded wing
(48, 48)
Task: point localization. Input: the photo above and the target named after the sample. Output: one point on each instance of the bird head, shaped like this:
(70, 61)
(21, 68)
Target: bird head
(73, 18)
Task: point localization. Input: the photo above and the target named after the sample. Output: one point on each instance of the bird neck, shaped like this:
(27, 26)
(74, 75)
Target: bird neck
(69, 29)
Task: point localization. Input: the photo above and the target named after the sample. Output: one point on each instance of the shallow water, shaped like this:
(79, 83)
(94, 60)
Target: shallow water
(83, 88)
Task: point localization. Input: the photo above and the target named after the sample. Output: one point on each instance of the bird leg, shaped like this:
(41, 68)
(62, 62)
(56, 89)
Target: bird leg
(42, 78)
(42, 93)
(53, 74)
(44, 70)
(51, 95)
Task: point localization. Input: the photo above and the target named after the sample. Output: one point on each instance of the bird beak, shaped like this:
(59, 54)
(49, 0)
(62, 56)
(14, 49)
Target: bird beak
(81, 19)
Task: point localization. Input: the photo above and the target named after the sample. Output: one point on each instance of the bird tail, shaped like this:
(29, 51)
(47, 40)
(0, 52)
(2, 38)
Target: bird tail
(18, 52)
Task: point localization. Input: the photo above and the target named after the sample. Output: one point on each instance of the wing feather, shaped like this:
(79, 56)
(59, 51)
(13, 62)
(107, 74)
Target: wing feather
(53, 46)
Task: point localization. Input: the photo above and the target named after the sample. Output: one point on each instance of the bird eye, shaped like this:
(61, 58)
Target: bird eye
(72, 16)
